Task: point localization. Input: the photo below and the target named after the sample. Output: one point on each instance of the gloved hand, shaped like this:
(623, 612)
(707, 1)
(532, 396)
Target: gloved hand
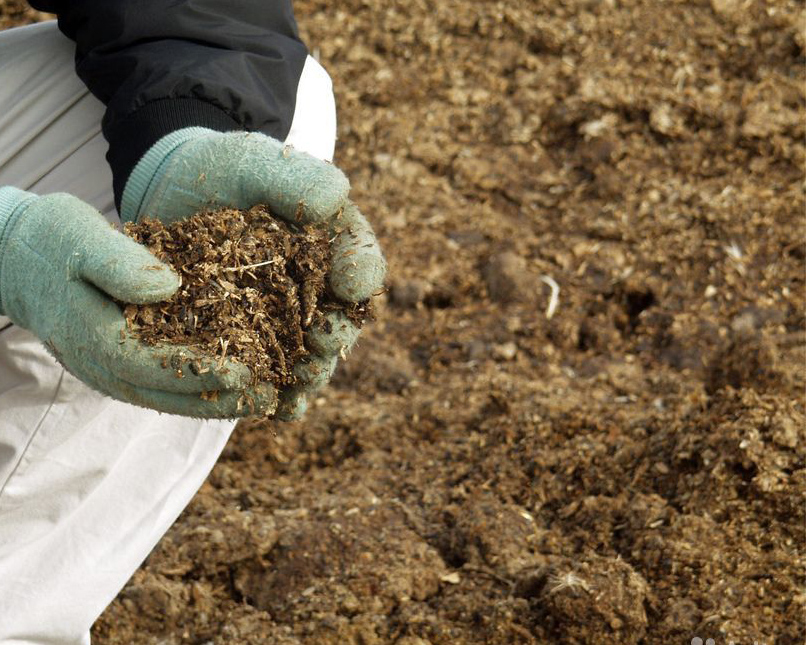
(197, 169)
(61, 263)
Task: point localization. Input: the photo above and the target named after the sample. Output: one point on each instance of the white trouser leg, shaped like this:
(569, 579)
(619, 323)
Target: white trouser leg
(88, 485)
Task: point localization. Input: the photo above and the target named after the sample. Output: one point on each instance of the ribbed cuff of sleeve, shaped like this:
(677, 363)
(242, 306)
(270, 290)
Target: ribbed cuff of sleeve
(132, 136)
(11, 199)
(148, 169)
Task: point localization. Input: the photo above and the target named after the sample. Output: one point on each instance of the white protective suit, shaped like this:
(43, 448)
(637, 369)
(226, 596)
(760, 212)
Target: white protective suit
(88, 485)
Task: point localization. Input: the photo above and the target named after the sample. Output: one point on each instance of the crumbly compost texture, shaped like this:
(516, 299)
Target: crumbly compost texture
(479, 472)
(251, 287)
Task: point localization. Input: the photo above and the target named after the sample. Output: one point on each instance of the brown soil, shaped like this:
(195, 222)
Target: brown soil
(252, 286)
(630, 469)
(14, 13)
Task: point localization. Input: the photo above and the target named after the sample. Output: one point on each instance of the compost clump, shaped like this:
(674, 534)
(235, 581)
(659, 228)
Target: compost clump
(252, 285)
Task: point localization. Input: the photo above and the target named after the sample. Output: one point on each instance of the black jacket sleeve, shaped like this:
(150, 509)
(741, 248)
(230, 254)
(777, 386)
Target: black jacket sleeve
(160, 65)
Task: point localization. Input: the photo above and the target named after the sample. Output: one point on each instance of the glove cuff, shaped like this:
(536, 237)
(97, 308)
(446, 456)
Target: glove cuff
(131, 136)
(12, 200)
(149, 169)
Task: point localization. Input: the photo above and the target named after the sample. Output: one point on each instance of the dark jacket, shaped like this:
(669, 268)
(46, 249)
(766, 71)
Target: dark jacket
(160, 65)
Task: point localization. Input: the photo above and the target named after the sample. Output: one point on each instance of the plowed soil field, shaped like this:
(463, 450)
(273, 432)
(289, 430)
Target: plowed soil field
(579, 416)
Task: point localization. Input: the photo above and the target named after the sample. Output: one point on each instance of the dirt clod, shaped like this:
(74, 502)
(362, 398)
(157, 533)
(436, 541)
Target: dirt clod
(410, 294)
(747, 359)
(508, 278)
(594, 601)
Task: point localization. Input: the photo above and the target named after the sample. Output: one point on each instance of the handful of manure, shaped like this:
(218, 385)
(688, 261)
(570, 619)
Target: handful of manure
(251, 287)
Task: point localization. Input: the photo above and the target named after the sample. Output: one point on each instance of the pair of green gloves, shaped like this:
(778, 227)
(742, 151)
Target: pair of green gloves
(61, 265)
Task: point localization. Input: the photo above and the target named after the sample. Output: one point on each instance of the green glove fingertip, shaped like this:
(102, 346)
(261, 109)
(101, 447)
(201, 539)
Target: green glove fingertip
(358, 266)
(129, 272)
(313, 372)
(333, 335)
(292, 406)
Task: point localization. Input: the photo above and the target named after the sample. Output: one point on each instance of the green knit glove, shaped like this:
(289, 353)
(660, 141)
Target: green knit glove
(197, 169)
(61, 263)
